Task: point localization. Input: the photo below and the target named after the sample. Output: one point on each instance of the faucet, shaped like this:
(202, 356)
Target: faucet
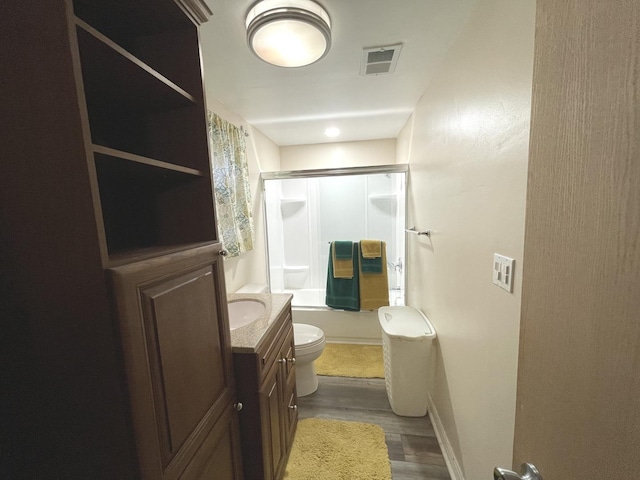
(396, 266)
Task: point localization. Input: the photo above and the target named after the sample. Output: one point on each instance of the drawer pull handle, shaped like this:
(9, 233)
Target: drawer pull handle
(294, 407)
(237, 406)
(292, 360)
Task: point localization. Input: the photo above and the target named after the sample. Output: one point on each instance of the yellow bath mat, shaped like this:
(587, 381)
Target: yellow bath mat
(338, 450)
(346, 360)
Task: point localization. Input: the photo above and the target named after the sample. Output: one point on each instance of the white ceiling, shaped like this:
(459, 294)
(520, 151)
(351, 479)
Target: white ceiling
(294, 106)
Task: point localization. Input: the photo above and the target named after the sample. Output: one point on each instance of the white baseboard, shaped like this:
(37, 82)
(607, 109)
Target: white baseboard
(353, 340)
(447, 450)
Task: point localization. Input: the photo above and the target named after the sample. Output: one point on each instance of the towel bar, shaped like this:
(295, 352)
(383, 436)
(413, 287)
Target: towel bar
(417, 232)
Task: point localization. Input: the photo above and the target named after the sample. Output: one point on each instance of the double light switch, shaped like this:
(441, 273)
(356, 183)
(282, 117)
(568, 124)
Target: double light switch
(503, 272)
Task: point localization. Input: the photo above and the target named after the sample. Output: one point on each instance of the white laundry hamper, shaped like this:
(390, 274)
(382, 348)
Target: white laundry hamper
(407, 336)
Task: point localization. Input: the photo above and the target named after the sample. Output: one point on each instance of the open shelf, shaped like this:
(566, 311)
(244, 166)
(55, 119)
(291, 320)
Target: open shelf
(291, 205)
(146, 206)
(132, 108)
(136, 255)
(293, 200)
(155, 31)
(384, 197)
(115, 75)
(106, 152)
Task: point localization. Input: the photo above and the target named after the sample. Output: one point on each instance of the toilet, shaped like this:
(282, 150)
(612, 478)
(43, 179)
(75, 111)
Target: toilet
(309, 341)
(309, 344)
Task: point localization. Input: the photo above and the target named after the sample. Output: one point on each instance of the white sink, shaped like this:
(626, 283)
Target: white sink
(243, 312)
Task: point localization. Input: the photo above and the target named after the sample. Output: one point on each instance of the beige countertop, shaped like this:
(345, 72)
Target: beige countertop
(246, 339)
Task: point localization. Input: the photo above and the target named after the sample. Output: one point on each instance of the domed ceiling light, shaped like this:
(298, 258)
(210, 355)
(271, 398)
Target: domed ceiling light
(288, 33)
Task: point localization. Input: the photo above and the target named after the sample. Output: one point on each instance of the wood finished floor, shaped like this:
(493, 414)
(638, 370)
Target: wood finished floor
(413, 447)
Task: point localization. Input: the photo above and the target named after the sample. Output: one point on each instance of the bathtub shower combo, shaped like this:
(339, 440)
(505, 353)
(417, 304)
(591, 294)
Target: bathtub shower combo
(305, 211)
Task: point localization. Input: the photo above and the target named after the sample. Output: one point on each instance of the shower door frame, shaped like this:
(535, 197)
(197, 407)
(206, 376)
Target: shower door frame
(334, 172)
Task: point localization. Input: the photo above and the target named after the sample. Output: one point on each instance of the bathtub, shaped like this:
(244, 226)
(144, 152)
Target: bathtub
(339, 326)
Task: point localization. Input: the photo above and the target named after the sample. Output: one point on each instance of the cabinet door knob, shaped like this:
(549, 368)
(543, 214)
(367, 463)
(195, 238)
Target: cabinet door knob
(223, 253)
(282, 360)
(292, 360)
(294, 407)
(237, 406)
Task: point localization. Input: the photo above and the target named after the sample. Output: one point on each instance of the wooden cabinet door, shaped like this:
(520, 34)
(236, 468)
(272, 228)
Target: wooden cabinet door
(177, 352)
(290, 408)
(271, 407)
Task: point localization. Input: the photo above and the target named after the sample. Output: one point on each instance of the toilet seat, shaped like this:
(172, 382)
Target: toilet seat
(307, 336)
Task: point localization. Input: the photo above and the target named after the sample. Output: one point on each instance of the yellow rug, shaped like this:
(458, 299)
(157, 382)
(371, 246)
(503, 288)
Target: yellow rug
(337, 450)
(346, 360)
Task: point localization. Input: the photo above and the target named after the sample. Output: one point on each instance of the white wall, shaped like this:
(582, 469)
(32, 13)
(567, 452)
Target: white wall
(467, 145)
(262, 155)
(338, 155)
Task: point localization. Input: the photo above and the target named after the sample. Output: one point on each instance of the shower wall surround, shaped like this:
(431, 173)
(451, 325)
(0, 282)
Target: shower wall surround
(306, 210)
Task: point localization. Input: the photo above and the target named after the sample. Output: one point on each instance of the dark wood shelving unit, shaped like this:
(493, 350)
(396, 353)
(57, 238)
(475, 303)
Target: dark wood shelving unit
(152, 168)
(113, 282)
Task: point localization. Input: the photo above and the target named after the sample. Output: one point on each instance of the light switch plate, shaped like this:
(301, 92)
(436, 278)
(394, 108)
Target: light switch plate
(503, 272)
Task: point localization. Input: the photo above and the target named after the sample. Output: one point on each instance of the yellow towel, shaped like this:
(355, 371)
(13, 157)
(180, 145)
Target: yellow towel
(374, 287)
(371, 248)
(342, 267)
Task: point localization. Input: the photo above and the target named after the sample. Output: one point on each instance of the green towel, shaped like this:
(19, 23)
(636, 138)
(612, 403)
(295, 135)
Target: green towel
(343, 250)
(370, 265)
(344, 293)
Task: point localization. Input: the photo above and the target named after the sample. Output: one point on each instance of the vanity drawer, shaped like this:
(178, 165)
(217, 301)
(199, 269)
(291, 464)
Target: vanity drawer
(272, 351)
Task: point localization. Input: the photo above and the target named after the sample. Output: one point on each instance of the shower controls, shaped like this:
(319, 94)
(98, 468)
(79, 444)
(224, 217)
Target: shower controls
(503, 272)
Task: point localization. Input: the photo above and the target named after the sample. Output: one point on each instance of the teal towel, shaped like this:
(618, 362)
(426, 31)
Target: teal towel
(344, 293)
(371, 265)
(343, 249)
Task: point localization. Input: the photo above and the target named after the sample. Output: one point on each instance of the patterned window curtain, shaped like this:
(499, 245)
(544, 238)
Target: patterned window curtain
(231, 185)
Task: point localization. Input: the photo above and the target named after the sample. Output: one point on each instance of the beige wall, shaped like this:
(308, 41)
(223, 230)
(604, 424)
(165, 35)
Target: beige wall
(467, 145)
(338, 155)
(262, 155)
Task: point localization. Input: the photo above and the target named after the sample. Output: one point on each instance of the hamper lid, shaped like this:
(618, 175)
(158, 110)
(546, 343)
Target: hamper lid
(405, 322)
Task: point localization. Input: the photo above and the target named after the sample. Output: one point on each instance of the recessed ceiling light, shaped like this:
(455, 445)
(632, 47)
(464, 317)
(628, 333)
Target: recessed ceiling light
(288, 33)
(332, 132)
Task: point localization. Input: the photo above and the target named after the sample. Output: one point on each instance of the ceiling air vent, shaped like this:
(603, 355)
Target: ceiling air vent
(379, 60)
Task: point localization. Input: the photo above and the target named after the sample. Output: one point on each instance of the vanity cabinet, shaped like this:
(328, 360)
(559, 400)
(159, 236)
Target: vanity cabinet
(266, 386)
(115, 344)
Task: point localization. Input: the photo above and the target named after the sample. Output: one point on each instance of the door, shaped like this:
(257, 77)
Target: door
(177, 352)
(578, 401)
(271, 405)
(290, 398)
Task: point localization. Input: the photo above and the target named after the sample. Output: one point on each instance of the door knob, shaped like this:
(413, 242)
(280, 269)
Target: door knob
(237, 406)
(529, 472)
(223, 252)
(292, 360)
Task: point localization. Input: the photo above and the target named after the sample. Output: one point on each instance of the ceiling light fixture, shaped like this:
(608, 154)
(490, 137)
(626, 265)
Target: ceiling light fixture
(332, 132)
(288, 33)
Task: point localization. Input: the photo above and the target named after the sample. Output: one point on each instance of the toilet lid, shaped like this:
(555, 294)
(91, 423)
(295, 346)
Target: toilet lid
(307, 335)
